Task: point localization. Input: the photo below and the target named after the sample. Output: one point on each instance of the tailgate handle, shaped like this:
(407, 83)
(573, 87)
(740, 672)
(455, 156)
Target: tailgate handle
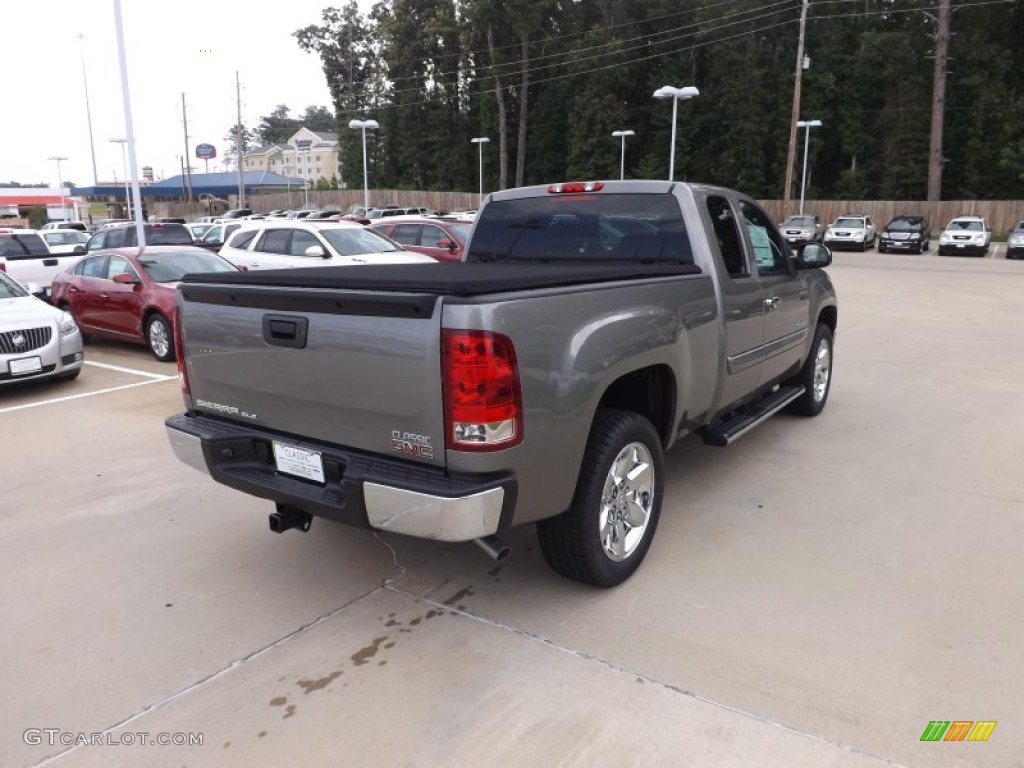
(285, 331)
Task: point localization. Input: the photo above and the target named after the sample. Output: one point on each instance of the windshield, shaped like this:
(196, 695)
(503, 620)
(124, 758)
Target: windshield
(357, 241)
(849, 223)
(22, 246)
(903, 225)
(9, 289)
(966, 226)
(800, 221)
(582, 227)
(65, 238)
(171, 266)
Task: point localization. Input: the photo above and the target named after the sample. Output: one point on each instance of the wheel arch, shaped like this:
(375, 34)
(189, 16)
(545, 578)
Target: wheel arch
(829, 315)
(650, 392)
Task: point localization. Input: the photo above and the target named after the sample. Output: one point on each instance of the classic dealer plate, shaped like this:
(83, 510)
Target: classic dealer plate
(25, 365)
(293, 460)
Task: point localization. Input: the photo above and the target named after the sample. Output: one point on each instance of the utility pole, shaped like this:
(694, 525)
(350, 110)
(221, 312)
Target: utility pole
(938, 102)
(188, 158)
(238, 140)
(791, 154)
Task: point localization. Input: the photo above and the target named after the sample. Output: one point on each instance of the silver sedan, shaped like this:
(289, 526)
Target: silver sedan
(36, 340)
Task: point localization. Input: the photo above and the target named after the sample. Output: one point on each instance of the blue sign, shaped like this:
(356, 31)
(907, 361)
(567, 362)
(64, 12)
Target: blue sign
(206, 151)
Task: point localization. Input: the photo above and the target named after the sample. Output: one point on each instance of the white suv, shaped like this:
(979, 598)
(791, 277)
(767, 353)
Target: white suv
(853, 230)
(283, 243)
(965, 235)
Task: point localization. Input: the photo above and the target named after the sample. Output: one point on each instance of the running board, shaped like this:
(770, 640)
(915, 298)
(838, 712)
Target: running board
(730, 431)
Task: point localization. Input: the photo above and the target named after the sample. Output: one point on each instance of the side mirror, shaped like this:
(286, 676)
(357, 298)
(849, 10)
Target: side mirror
(813, 256)
(125, 279)
(444, 242)
(79, 249)
(317, 250)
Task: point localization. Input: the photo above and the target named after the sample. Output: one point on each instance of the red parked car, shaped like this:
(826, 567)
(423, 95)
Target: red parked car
(443, 239)
(128, 293)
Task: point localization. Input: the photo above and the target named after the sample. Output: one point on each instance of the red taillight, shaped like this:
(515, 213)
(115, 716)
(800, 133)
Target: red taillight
(575, 187)
(482, 398)
(179, 353)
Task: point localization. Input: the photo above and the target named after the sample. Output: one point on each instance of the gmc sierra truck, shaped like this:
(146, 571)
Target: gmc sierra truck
(589, 327)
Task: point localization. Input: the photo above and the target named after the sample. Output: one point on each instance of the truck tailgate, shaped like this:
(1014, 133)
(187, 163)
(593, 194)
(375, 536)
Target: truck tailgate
(353, 368)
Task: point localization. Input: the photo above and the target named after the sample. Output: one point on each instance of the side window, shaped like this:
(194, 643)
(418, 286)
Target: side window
(119, 266)
(729, 243)
(771, 254)
(274, 241)
(431, 235)
(302, 240)
(115, 238)
(93, 267)
(97, 241)
(406, 234)
(242, 239)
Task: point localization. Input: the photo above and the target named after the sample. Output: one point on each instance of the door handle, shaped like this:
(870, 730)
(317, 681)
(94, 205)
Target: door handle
(104, 296)
(772, 302)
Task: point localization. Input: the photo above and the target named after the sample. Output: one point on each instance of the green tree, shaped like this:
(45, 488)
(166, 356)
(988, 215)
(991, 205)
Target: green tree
(230, 156)
(277, 127)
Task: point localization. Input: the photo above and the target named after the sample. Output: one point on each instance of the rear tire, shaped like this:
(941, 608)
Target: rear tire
(606, 532)
(159, 338)
(815, 376)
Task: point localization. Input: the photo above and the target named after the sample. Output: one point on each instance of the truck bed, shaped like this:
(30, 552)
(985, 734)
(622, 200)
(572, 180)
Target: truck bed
(447, 278)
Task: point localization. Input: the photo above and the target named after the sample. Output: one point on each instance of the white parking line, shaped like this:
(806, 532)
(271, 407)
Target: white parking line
(147, 374)
(53, 400)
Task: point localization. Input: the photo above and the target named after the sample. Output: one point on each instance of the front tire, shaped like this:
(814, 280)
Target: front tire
(159, 338)
(815, 376)
(605, 534)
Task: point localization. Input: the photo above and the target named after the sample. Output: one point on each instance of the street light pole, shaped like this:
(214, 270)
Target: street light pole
(806, 125)
(88, 112)
(362, 125)
(671, 92)
(140, 231)
(622, 158)
(124, 162)
(480, 141)
(60, 184)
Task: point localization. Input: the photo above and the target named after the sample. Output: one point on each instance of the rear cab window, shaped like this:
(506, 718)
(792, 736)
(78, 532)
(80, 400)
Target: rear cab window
(583, 227)
(22, 245)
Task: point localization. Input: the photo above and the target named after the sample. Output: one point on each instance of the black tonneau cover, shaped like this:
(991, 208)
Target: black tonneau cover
(445, 278)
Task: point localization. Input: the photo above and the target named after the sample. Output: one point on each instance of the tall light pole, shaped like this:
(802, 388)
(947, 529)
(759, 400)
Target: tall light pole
(60, 183)
(806, 125)
(140, 231)
(88, 112)
(671, 92)
(480, 141)
(362, 125)
(622, 158)
(124, 162)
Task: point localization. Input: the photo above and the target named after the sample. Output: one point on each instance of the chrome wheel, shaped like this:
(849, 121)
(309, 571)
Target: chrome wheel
(822, 370)
(159, 338)
(626, 502)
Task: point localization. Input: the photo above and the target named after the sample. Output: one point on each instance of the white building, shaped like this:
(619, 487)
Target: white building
(310, 155)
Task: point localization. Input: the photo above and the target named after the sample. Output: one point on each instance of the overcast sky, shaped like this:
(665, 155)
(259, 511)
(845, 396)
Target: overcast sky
(166, 46)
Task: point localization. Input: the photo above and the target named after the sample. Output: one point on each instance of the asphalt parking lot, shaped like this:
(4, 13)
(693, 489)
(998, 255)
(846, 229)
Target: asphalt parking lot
(816, 594)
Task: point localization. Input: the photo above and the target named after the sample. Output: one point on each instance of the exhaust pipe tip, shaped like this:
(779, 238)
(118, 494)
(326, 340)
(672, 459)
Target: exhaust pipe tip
(495, 548)
(286, 518)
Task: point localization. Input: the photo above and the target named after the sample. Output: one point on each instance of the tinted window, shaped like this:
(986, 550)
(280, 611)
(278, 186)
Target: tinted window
(27, 246)
(904, 225)
(406, 234)
(171, 266)
(115, 238)
(242, 239)
(94, 266)
(573, 227)
(729, 243)
(431, 235)
(97, 241)
(274, 241)
(168, 234)
(357, 241)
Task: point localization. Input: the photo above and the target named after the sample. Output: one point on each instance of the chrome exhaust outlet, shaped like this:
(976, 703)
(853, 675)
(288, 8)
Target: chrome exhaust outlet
(495, 548)
(286, 518)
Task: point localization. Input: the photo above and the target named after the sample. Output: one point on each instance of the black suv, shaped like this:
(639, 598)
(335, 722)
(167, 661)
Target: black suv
(906, 233)
(124, 236)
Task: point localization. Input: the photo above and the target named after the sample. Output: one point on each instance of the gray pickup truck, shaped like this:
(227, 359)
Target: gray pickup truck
(589, 328)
